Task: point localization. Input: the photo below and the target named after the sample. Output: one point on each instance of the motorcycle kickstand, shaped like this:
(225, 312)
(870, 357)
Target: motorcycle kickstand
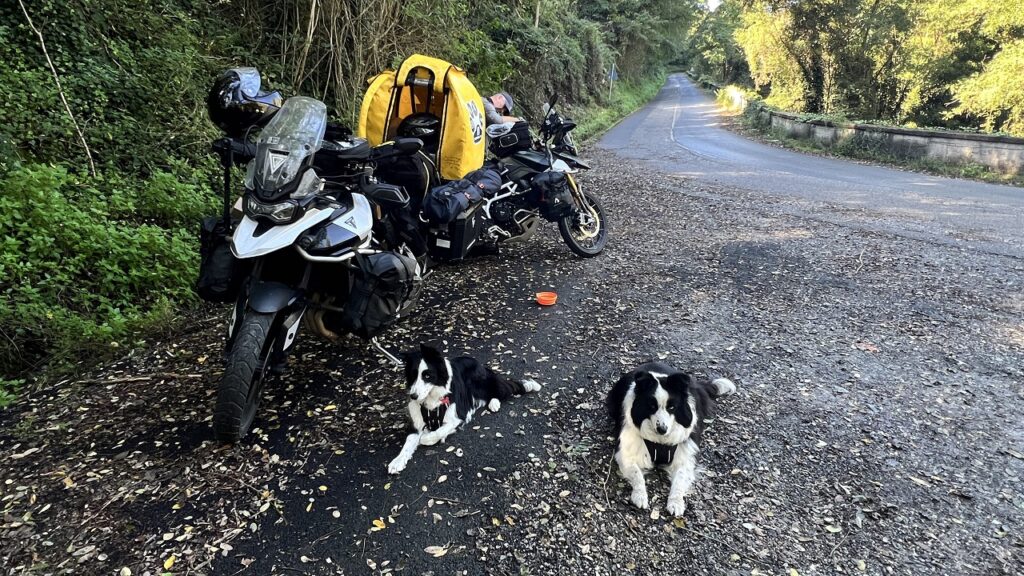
(391, 357)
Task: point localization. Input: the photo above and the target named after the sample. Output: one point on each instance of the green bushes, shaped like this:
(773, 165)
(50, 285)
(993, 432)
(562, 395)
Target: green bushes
(86, 261)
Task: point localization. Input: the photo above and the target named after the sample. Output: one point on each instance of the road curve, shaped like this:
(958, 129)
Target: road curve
(683, 131)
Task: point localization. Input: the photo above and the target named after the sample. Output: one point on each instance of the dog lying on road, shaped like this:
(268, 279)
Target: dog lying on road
(660, 413)
(444, 394)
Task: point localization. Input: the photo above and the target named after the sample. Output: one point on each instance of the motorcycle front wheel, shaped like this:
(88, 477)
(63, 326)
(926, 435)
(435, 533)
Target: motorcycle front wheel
(245, 370)
(585, 231)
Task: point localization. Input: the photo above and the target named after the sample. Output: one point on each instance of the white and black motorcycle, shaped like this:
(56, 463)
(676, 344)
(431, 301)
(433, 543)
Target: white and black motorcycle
(319, 243)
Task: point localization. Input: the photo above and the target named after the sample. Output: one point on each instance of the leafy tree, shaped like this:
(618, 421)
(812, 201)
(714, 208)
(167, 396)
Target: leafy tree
(711, 46)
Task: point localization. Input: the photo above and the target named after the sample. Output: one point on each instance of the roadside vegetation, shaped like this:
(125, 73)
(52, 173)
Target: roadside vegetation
(952, 64)
(104, 168)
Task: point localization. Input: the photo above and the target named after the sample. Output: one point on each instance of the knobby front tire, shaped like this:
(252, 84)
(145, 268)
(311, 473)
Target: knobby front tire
(245, 371)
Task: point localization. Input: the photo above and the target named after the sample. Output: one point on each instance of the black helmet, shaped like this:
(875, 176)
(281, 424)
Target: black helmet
(235, 102)
(425, 126)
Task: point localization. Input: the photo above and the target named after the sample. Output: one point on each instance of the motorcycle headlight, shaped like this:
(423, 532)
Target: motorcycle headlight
(279, 213)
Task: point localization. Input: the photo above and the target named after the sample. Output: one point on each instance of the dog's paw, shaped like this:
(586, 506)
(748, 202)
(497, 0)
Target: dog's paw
(494, 405)
(639, 498)
(531, 385)
(429, 439)
(397, 465)
(724, 386)
(676, 506)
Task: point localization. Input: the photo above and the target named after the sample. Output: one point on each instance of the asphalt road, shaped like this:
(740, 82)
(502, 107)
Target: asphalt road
(874, 330)
(682, 131)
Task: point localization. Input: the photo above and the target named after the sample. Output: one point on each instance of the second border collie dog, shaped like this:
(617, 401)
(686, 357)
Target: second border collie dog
(444, 394)
(660, 413)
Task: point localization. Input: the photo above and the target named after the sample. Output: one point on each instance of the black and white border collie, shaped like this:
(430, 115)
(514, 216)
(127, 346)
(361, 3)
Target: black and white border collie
(444, 394)
(660, 413)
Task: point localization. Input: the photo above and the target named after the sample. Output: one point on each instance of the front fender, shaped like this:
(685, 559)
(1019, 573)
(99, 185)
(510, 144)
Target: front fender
(270, 297)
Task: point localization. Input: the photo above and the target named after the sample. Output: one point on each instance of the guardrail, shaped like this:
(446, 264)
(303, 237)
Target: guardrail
(1003, 154)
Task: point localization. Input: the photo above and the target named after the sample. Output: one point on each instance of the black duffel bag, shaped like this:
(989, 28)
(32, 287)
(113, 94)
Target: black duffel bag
(504, 140)
(444, 203)
(550, 192)
(385, 289)
(220, 273)
(486, 179)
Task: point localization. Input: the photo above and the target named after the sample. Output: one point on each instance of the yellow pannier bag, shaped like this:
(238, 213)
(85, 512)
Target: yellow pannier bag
(425, 85)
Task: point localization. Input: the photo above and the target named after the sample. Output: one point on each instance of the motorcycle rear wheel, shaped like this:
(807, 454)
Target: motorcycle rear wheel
(585, 235)
(245, 371)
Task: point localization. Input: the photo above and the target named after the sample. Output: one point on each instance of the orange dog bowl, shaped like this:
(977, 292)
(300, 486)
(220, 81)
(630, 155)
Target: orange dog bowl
(546, 298)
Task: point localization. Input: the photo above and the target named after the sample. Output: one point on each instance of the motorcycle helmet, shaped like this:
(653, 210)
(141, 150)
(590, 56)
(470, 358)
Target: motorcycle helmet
(423, 125)
(236, 103)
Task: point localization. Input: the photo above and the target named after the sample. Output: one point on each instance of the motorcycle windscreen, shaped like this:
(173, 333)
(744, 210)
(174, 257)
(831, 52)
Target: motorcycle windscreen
(292, 136)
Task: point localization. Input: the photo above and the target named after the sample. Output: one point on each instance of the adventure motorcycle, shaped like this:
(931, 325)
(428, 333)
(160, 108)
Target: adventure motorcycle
(319, 238)
(465, 202)
(538, 183)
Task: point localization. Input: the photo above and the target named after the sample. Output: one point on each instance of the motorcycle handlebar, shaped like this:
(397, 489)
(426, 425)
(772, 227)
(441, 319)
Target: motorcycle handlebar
(236, 151)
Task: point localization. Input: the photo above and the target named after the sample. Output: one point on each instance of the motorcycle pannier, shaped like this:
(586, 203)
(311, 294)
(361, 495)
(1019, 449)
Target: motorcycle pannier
(385, 289)
(550, 192)
(220, 273)
(515, 140)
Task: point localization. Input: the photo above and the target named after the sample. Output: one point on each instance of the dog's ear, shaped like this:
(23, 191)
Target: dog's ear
(679, 381)
(429, 351)
(644, 378)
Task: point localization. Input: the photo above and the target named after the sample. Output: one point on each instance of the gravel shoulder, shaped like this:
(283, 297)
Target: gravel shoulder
(876, 428)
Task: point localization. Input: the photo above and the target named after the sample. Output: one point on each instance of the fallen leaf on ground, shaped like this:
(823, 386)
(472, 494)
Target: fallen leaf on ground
(436, 551)
(865, 346)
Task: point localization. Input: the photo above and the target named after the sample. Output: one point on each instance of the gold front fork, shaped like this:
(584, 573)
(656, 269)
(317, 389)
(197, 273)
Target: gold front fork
(582, 202)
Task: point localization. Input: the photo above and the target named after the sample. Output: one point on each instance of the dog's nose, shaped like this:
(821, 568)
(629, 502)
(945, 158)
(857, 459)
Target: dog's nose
(661, 428)
(413, 396)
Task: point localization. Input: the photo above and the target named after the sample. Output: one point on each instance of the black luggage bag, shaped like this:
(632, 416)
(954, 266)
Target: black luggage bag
(220, 273)
(384, 289)
(550, 192)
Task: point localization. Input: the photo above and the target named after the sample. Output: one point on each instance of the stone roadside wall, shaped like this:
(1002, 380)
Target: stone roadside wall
(1003, 154)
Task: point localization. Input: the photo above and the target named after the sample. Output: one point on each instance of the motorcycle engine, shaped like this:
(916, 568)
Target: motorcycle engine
(502, 213)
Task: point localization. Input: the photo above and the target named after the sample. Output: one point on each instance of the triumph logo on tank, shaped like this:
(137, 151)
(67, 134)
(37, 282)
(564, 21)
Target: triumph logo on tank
(476, 121)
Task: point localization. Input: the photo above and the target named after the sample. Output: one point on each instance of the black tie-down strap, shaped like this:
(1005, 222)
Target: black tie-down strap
(432, 419)
(661, 454)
